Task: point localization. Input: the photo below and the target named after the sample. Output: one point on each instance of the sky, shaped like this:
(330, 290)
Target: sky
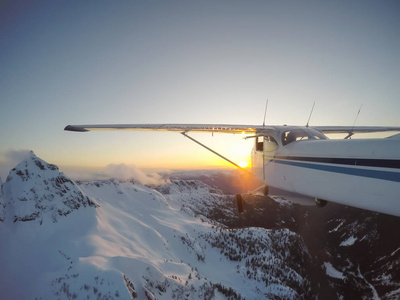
(117, 62)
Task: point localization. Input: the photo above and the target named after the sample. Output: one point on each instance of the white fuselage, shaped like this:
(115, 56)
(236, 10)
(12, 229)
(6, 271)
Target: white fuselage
(361, 173)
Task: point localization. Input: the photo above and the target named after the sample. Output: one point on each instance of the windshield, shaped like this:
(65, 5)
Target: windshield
(297, 134)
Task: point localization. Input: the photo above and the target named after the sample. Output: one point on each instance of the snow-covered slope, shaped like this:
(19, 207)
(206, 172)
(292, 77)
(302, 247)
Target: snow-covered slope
(123, 240)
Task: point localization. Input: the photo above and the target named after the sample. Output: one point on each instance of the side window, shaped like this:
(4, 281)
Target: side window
(293, 136)
(259, 143)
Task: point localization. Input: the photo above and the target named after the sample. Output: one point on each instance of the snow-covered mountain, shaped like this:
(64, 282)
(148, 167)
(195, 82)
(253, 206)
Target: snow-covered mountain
(123, 240)
(61, 239)
(2, 204)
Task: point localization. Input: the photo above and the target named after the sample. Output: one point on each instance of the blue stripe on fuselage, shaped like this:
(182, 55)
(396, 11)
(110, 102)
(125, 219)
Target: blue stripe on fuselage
(377, 174)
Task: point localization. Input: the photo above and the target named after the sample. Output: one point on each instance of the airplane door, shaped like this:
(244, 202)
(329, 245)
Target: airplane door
(264, 150)
(270, 145)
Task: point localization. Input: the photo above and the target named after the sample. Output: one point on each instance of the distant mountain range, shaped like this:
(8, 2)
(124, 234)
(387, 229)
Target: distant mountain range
(61, 239)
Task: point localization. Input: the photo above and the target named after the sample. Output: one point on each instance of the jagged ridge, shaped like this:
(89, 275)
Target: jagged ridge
(36, 191)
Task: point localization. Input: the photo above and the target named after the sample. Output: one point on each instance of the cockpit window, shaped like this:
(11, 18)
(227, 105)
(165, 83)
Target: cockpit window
(300, 134)
(315, 134)
(293, 136)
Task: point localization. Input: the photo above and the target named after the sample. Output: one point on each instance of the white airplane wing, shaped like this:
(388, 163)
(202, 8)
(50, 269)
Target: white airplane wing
(221, 128)
(355, 129)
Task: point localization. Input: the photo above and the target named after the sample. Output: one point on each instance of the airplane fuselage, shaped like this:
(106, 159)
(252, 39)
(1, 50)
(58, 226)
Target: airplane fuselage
(364, 173)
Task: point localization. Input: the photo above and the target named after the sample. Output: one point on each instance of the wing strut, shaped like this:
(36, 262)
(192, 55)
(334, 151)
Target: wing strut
(216, 153)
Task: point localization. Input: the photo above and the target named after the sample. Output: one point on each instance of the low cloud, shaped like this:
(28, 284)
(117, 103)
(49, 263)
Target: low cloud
(122, 172)
(125, 172)
(10, 159)
(16, 156)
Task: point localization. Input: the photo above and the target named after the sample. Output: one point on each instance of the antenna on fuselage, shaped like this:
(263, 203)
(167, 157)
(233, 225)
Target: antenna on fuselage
(310, 114)
(357, 116)
(352, 128)
(265, 112)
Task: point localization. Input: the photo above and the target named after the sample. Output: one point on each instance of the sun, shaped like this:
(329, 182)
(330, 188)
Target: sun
(243, 164)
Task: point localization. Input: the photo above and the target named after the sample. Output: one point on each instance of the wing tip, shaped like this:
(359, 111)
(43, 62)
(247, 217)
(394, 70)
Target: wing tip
(75, 128)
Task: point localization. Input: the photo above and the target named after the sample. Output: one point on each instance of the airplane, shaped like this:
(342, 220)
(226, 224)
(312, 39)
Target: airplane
(300, 161)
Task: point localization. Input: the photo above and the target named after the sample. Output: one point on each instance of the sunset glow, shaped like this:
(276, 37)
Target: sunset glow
(243, 164)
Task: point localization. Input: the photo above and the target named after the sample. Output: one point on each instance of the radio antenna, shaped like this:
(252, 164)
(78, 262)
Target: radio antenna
(351, 133)
(310, 114)
(356, 117)
(265, 112)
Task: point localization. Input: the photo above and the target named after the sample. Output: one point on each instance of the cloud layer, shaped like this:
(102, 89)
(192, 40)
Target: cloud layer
(126, 172)
(120, 172)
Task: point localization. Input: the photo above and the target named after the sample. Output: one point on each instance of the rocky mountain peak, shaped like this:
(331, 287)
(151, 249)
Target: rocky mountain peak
(38, 191)
(2, 204)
